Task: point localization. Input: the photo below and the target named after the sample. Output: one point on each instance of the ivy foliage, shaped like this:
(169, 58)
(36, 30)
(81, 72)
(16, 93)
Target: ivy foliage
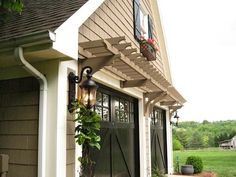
(86, 134)
(88, 126)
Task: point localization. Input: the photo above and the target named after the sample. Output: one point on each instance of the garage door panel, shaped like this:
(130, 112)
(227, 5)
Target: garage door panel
(158, 143)
(125, 138)
(118, 135)
(119, 164)
(102, 157)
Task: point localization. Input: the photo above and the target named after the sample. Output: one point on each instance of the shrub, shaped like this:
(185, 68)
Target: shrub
(196, 162)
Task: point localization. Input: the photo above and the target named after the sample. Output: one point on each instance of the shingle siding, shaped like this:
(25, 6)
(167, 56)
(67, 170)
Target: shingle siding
(19, 111)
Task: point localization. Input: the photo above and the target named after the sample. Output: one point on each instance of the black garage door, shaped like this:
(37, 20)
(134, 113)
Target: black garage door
(119, 154)
(158, 139)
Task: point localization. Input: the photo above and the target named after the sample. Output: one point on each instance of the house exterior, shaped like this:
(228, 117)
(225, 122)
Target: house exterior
(228, 144)
(135, 99)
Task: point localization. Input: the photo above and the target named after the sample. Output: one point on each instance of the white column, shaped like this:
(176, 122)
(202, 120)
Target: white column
(64, 68)
(169, 143)
(142, 140)
(148, 146)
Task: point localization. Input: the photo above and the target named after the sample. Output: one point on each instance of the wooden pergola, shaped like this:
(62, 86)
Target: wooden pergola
(118, 57)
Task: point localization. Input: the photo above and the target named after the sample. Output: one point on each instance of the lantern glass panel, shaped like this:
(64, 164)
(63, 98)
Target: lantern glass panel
(88, 97)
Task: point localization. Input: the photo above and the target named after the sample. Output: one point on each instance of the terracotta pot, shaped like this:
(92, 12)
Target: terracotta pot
(187, 169)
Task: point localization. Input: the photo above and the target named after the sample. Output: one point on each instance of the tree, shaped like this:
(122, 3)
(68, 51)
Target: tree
(205, 122)
(177, 145)
(8, 7)
(196, 140)
(11, 5)
(182, 135)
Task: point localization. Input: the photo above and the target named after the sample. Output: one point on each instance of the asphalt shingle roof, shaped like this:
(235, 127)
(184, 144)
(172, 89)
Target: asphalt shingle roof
(39, 15)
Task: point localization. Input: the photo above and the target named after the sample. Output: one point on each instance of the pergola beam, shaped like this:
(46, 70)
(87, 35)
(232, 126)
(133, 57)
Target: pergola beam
(167, 103)
(133, 83)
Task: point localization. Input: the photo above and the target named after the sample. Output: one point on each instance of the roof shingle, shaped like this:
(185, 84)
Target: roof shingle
(39, 15)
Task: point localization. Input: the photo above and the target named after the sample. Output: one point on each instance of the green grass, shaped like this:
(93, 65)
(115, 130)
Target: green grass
(222, 162)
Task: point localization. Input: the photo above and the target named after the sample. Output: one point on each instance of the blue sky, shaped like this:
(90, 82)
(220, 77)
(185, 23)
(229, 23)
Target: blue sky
(201, 44)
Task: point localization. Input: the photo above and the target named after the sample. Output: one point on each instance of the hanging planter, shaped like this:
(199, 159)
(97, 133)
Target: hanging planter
(148, 49)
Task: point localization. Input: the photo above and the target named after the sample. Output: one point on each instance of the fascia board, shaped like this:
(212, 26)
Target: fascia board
(67, 35)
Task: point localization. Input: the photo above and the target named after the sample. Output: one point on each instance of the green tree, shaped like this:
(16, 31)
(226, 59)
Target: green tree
(205, 122)
(8, 7)
(196, 140)
(182, 135)
(11, 5)
(177, 145)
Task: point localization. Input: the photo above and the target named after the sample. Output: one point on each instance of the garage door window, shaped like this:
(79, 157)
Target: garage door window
(102, 106)
(124, 110)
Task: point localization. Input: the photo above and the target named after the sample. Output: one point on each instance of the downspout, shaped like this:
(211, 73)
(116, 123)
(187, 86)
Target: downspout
(42, 109)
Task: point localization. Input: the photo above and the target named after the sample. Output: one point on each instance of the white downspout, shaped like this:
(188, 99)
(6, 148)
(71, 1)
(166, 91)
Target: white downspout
(42, 109)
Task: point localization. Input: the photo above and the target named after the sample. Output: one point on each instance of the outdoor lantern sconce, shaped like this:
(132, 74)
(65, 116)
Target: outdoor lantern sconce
(177, 119)
(88, 89)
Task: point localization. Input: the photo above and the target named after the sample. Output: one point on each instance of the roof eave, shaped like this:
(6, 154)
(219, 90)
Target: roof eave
(27, 41)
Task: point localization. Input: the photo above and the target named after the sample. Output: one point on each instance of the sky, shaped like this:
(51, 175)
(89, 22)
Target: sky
(201, 44)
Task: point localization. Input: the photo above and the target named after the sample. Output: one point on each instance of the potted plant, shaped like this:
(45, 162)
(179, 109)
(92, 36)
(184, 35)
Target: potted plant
(148, 48)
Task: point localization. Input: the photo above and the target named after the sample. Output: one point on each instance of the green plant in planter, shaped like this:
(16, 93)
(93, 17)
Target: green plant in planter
(86, 134)
(196, 162)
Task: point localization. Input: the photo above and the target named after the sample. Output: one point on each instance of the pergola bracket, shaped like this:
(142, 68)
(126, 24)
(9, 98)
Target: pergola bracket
(98, 63)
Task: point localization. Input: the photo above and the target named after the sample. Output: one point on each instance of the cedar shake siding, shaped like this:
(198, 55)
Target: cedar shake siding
(39, 16)
(70, 146)
(114, 18)
(19, 102)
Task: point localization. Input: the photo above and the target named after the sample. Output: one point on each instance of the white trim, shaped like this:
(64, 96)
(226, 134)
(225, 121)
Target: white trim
(148, 146)
(67, 35)
(142, 141)
(169, 143)
(61, 133)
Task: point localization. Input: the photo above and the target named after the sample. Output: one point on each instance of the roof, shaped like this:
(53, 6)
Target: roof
(227, 141)
(39, 16)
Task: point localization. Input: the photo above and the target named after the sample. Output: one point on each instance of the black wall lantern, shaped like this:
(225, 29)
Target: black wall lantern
(88, 89)
(176, 117)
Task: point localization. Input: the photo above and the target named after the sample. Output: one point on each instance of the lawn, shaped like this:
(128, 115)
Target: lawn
(222, 162)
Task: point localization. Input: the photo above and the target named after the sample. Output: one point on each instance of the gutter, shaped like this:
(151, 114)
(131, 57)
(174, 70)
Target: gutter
(29, 42)
(19, 57)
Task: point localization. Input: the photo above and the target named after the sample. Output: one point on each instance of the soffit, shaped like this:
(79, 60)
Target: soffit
(129, 65)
